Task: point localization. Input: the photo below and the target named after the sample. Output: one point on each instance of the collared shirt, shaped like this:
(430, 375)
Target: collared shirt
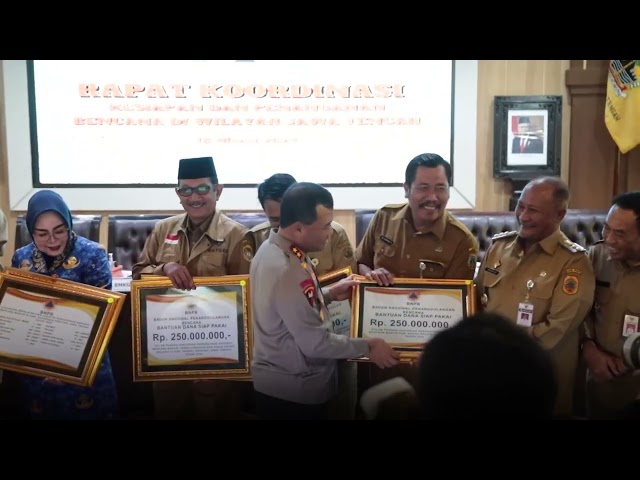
(556, 277)
(295, 350)
(226, 248)
(617, 294)
(337, 253)
(447, 250)
(194, 234)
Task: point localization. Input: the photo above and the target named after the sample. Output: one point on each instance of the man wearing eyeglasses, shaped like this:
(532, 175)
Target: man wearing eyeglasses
(200, 242)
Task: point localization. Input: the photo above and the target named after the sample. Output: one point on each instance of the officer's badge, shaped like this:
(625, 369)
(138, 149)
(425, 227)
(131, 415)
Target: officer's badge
(69, 263)
(247, 251)
(309, 291)
(570, 284)
(25, 264)
(315, 262)
(472, 262)
(297, 252)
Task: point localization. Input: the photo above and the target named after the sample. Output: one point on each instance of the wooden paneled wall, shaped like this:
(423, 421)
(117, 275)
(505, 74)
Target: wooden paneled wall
(597, 170)
(495, 77)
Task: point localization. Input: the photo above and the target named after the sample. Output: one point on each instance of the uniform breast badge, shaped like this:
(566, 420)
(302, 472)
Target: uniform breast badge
(525, 309)
(71, 262)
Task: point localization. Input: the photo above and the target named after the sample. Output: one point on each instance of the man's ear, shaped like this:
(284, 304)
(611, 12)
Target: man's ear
(406, 190)
(219, 189)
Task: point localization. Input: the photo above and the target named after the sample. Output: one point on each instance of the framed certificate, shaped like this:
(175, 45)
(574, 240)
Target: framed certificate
(410, 312)
(50, 327)
(191, 334)
(340, 311)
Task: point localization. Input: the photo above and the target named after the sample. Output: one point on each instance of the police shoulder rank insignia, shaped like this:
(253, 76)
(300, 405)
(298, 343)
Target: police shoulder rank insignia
(71, 262)
(297, 252)
(570, 284)
(309, 291)
(247, 250)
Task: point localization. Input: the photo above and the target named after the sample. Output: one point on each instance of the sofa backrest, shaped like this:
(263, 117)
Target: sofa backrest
(581, 226)
(128, 233)
(87, 226)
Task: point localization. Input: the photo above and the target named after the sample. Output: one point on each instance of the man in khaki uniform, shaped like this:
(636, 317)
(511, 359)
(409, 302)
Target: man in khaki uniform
(418, 239)
(336, 255)
(541, 280)
(613, 388)
(200, 242)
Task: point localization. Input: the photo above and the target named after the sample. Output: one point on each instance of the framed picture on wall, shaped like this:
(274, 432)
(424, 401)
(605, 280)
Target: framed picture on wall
(527, 136)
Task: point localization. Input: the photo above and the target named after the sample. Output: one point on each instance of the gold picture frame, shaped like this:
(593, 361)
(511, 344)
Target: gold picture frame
(200, 334)
(55, 328)
(340, 310)
(410, 312)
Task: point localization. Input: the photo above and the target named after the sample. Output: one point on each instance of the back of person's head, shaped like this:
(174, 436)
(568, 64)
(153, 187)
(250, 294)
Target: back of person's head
(486, 367)
(300, 201)
(273, 188)
(47, 201)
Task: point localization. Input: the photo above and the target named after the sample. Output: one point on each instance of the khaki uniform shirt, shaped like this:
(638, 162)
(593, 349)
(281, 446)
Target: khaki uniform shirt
(337, 254)
(295, 351)
(617, 294)
(226, 248)
(448, 250)
(561, 295)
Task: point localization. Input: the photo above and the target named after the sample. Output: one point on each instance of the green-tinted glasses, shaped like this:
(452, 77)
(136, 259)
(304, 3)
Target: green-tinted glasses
(188, 191)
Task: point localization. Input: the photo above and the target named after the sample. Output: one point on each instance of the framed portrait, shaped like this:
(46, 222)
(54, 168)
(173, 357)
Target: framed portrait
(410, 312)
(527, 136)
(340, 310)
(51, 327)
(196, 334)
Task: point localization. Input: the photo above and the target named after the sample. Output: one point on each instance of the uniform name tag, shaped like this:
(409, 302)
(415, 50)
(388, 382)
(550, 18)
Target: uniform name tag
(525, 314)
(630, 325)
(386, 240)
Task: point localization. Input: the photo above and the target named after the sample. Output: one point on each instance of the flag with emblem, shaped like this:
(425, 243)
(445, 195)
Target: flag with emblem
(622, 109)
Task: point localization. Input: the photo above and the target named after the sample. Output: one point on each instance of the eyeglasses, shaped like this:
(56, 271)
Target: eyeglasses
(57, 234)
(188, 191)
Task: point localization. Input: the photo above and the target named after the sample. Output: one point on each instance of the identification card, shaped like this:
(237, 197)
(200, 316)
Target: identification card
(630, 325)
(525, 314)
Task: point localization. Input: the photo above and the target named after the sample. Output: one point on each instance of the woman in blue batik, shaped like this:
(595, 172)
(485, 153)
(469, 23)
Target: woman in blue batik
(58, 252)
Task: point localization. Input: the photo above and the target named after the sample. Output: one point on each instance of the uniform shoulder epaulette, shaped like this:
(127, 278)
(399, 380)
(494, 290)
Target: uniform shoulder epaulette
(260, 226)
(572, 246)
(394, 206)
(338, 227)
(509, 234)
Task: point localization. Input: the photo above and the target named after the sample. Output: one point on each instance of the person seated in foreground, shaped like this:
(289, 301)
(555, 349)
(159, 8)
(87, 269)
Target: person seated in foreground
(482, 367)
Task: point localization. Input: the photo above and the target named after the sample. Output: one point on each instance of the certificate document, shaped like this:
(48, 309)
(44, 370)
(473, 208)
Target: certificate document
(410, 312)
(200, 334)
(409, 317)
(45, 329)
(197, 326)
(51, 327)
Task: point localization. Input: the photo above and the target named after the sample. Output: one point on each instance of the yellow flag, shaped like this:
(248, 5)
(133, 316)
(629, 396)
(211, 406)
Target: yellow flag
(622, 110)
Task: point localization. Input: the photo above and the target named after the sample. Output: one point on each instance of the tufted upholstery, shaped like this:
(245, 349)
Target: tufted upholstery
(581, 226)
(87, 226)
(128, 233)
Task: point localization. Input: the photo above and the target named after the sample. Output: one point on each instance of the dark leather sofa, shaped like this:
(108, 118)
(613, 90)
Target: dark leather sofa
(581, 226)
